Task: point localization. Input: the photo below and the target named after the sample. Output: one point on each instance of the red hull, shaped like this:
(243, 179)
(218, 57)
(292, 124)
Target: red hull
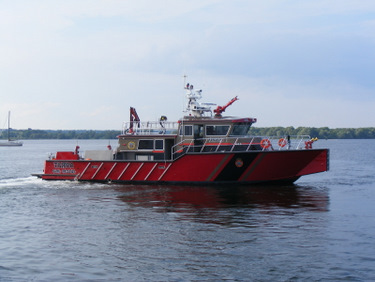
(241, 167)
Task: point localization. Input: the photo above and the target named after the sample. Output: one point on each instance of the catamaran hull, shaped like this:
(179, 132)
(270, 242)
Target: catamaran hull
(196, 168)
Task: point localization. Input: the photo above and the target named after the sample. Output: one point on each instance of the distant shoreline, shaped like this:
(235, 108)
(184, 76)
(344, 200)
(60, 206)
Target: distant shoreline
(321, 132)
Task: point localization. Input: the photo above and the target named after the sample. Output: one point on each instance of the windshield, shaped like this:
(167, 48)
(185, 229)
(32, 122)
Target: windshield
(240, 129)
(217, 130)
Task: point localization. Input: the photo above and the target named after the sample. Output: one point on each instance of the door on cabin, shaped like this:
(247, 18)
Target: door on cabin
(198, 137)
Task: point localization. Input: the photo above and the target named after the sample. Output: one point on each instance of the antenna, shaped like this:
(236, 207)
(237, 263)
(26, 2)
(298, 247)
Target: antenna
(183, 97)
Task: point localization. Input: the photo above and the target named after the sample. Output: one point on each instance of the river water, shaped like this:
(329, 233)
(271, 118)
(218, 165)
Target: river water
(320, 229)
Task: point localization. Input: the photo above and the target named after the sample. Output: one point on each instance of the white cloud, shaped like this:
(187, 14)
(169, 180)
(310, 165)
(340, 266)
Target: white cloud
(80, 57)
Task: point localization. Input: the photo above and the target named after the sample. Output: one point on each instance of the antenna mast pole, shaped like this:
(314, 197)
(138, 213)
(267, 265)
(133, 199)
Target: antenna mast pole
(8, 125)
(183, 99)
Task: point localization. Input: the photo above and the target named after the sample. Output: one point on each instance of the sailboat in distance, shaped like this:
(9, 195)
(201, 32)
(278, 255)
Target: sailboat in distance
(9, 142)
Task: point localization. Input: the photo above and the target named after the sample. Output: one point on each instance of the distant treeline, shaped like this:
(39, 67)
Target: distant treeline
(322, 133)
(62, 134)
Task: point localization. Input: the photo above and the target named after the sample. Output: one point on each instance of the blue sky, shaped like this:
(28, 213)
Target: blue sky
(81, 64)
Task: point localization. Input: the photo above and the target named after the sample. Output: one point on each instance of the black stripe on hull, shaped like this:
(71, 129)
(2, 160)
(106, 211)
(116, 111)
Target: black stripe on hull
(236, 166)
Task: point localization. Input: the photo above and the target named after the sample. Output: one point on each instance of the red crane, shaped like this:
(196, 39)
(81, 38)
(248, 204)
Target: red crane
(221, 109)
(133, 118)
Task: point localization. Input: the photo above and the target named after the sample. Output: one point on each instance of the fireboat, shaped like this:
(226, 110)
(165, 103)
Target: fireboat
(203, 147)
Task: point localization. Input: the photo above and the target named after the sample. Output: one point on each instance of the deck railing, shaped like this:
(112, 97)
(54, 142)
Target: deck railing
(150, 128)
(240, 144)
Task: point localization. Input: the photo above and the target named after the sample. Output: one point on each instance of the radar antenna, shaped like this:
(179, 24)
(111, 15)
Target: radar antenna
(195, 108)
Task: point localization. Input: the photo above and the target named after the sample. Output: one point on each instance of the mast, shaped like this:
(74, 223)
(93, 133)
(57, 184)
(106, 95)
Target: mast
(8, 125)
(195, 108)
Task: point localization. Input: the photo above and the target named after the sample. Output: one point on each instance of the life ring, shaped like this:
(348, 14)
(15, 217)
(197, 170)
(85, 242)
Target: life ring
(131, 145)
(282, 142)
(265, 143)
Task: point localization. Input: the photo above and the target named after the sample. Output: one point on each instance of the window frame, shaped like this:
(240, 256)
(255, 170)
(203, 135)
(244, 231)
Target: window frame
(149, 148)
(183, 130)
(215, 126)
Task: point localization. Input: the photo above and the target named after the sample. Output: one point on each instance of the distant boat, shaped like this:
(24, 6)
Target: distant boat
(10, 142)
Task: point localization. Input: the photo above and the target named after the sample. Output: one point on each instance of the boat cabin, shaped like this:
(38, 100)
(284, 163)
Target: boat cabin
(201, 131)
(165, 141)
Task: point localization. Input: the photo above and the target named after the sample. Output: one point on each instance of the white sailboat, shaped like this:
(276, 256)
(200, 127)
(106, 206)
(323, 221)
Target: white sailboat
(10, 142)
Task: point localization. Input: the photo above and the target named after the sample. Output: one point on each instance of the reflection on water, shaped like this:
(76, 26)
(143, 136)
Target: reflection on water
(192, 199)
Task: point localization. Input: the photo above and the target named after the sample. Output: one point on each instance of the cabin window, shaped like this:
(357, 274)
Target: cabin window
(240, 129)
(217, 129)
(186, 130)
(144, 158)
(159, 145)
(146, 144)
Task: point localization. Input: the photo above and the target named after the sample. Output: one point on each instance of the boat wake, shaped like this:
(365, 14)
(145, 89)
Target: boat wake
(18, 182)
(32, 181)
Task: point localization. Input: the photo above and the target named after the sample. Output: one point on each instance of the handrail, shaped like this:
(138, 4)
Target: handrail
(238, 144)
(150, 127)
